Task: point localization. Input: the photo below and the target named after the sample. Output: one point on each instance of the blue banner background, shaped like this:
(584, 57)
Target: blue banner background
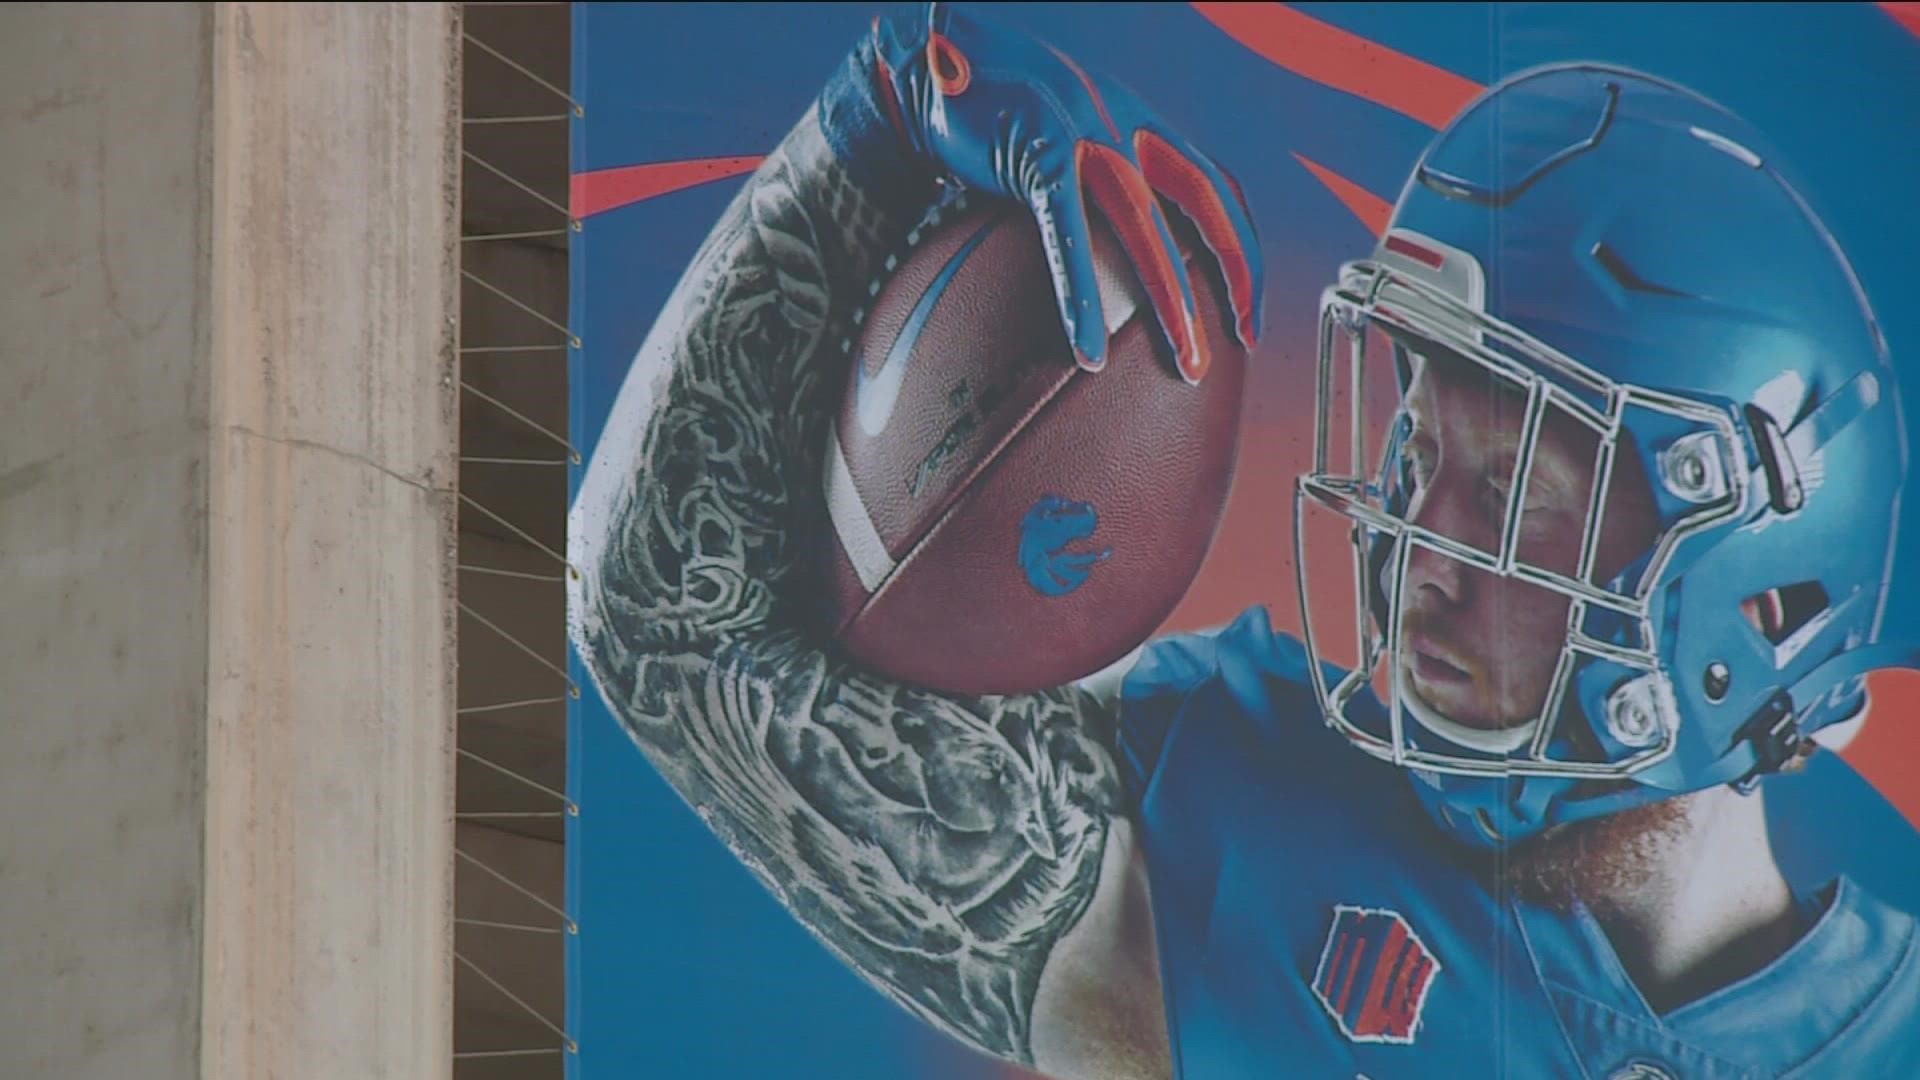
(684, 966)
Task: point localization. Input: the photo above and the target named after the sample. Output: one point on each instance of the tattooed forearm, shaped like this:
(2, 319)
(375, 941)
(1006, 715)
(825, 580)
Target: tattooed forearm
(939, 845)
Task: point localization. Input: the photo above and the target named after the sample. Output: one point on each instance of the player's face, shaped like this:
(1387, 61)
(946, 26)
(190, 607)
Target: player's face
(1477, 647)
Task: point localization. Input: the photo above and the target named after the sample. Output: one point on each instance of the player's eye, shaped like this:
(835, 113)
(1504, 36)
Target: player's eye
(1421, 458)
(1495, 491)
(1498, 487)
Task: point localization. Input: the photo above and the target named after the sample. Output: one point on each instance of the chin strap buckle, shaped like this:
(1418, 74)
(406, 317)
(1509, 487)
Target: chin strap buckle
(1775, 734)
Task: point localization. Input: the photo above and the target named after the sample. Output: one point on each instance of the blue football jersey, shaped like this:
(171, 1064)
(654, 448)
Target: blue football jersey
(1312, 922)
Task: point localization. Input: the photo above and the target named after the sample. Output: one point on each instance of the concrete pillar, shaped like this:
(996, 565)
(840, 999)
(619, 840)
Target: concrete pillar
(227, 451)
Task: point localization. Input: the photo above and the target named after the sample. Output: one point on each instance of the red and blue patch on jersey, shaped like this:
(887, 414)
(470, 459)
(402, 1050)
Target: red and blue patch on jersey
(1374, 975)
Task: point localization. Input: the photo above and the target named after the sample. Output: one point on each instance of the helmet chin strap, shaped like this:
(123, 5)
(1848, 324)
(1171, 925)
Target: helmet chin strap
(1493, 741)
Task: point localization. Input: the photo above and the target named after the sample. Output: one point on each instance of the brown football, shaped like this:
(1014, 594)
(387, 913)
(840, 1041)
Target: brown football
(1003, 521)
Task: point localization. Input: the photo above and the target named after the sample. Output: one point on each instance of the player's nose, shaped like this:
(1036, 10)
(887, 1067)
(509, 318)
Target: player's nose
(1441, 511)
(1434, 579)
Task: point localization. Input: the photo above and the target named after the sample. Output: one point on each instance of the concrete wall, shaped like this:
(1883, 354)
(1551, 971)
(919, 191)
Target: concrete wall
(331, 511)
(226, 539)
(104, 329)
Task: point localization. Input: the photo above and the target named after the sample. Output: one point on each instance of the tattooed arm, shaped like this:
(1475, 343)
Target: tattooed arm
(941, 846)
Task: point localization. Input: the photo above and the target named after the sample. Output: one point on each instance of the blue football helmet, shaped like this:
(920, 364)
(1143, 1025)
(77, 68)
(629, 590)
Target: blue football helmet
(1617, 254)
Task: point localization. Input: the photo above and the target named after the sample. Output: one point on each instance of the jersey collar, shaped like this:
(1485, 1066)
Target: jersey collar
(1775, 1019)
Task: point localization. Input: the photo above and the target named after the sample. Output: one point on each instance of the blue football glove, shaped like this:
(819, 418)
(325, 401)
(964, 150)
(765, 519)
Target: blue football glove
(1003, 113)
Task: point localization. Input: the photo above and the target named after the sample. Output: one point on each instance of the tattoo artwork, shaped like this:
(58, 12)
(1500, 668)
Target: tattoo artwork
(939, 845)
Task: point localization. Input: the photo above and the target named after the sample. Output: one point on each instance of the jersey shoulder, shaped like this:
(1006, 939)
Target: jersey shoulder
(1243, 674)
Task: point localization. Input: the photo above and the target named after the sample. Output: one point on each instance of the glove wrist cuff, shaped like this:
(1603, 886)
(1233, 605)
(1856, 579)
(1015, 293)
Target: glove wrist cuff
(867, 144)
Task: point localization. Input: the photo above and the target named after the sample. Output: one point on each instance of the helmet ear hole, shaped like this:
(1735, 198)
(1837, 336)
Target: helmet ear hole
(1777, 613)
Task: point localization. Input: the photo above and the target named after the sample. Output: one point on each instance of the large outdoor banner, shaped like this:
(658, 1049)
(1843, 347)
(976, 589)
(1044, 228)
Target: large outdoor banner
(1245, 540)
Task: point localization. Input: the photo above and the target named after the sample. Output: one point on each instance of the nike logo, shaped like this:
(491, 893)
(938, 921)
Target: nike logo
(874, 398)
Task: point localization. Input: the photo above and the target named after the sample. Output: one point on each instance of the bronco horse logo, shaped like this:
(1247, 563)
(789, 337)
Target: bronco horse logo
(1052, 524)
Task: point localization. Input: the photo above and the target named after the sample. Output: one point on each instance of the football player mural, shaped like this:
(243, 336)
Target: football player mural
(1551, 480)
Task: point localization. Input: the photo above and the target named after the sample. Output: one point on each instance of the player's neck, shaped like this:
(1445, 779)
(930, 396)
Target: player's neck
(1715, 910)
